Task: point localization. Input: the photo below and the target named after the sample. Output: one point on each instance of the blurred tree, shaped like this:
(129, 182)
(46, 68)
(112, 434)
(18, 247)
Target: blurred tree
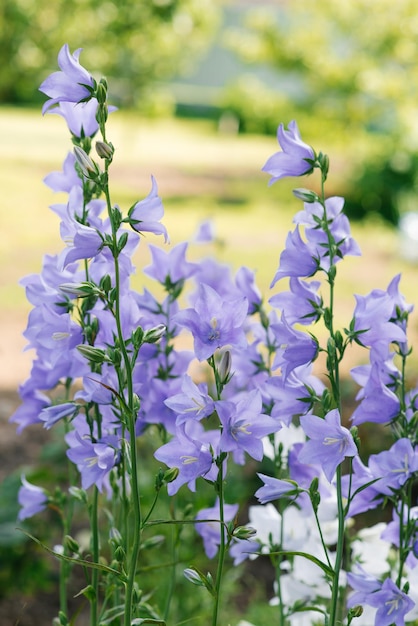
(135, 43)
(346, 69)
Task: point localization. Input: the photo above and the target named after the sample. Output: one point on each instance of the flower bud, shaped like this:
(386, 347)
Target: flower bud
(95, 355)
(224, 367)
(244, 532)
(306, 195)
(80, 290)
(71, 544)
(104, 150)
(87, 166)
(154, 334)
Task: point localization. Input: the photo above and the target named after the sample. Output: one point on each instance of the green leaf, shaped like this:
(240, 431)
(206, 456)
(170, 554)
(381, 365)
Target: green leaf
(328, 571)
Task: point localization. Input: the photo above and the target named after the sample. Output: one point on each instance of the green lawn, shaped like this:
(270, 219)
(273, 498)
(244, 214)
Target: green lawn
(201, 173)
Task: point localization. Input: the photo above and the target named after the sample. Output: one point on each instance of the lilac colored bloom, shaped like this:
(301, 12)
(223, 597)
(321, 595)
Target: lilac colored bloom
(33, 401)
(214, 322)
(298, 259)
(273, 489)
(145, 216)
(368, 497)
(192, 403)
(363, 585)
(170, 268)
(244, 425)
(72, 84)
(189, 455)
(205, 232)
(296, 347)
(245, 281)
(243, 549)
(52, 414)
(394, 467)
(210, 531)
(329, 442)
(392, 534)
(83, 242)
(302, 303)
(290, 394)
(379, 404)
(31, 498)
(65, 180)
(296, 156)
(372, 323)
(94, 460)
(80, 117)
(392, 604)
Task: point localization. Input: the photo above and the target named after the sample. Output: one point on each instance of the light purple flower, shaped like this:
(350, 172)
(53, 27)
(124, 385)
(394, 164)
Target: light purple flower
(210, 531)
(65, 180)
(296, 156)
(205, 232)
(214, 322)
(94, 460)
(31, 498)
(245, 281)
(298, 259)
(244, 425)
(394, 467)
(52, 414)
(193, 459)
(302, 303)
(379, 404)
(392, 604)
(192, 403)
(72, 84)
(145, 216)
(169, 268)
(274, 489)
(329, 442)
(296, 347)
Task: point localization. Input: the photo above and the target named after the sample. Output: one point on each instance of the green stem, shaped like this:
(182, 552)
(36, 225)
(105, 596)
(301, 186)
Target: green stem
(94, 525)
(222, 546)
(340, 552)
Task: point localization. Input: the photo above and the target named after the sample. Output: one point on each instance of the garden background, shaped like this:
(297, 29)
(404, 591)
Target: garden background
(204, 129)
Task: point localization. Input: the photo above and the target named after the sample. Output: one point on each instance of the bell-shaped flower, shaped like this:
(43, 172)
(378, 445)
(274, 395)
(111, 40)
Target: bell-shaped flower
(329, 442)
(296, 347)
(170, 268)
(72, 84)
(31, 498)
(210, 531)
(302, 303)
(145, 215)
(296, 157)
(298, 259)
(214, 322)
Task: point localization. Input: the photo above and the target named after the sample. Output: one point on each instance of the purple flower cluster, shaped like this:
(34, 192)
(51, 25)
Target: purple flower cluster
(246, 386)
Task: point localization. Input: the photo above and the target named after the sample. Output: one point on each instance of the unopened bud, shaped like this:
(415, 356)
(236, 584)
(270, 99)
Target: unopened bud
(306, 195)
(224, 367)
(80, 290)
(95, 355)
(71, 544)
(87, 166)
(244, 532)
(154, 334)
(104, 150)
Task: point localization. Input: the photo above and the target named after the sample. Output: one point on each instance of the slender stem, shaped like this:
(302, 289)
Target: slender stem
(340, 552)
(222, 546)
(94, 524)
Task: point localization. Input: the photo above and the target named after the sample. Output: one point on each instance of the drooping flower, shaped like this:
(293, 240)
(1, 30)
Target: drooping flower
(72, 84)
(94, 460)
(214, 322)
(298, 259)
(52, 414)
(296, 348)
(245, 281)
(296, 157)
(169, 268)
(145, 215)
(394, 466)
(302, 303)
(379, 404)
(31, 498)
(274, 489)
(329, 442)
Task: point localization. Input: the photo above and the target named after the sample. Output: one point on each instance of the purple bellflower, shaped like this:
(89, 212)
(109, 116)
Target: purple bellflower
(65, 180)
(145, 215)
(302, 303)
(31, 498)
(379, 404)
(296, 157)
(394, 467)
(210, 531)
(172, 267)
(72, 84)
(214, 322)
(296, 347)
(94, 460)
(298, 259)
(244, 425)
(193, 403)
(391, 603)
(274, 489)
(329, 442)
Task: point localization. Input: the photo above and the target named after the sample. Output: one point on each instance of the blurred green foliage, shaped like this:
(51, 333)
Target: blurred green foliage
(134, 43)
(347, 72)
